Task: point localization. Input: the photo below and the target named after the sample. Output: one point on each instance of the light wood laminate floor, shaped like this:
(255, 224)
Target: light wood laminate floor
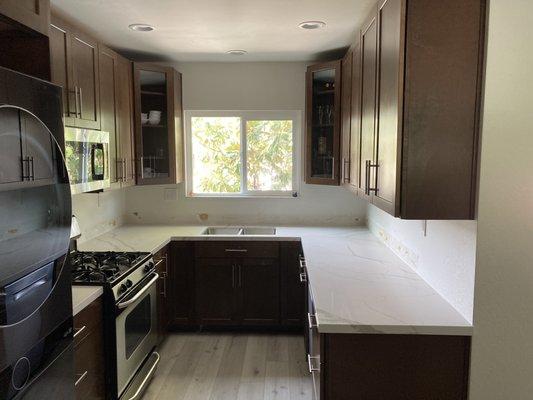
(229, 366)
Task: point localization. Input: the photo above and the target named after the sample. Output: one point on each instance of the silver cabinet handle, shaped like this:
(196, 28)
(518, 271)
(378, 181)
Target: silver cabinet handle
(126, 303)
(78, 331)
(81, 378)
(310, 320)
(69, 93)
(368, 189)
(163, 277)
(80, 94)
(303, 264)
(236, 250)
(124, 171)
(303, 277)
(332, 167)
(345, 176)
(312, 368)
(142, 166)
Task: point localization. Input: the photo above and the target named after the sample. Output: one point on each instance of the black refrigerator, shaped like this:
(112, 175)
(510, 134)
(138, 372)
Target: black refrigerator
(36, 358)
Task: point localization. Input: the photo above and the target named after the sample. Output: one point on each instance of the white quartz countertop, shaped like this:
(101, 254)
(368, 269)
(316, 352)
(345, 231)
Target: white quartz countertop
(82, 296)
(358, 284)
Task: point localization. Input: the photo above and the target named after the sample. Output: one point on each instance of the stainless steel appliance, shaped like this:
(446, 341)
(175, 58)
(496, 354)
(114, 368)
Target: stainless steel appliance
(129, 281)
(87, 154)
(35, 215)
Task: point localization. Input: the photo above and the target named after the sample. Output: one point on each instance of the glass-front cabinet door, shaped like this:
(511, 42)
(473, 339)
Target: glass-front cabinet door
(323, 123)
(157, 123)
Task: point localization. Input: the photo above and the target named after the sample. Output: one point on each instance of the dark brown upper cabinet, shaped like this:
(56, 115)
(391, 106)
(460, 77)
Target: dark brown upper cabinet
(354, 174)
(116, 114)
(74, 66)
(323, 125)
(420, 88)
(346, 117)
(159, 138)
(34, 14)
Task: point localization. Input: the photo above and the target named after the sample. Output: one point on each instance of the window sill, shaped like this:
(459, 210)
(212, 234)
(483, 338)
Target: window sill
(241, 196)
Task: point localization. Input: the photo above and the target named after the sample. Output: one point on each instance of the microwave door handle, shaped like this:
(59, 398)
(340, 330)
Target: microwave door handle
(94, 148)
(126, 303)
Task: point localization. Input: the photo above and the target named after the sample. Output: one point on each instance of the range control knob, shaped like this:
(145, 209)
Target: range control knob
(148, 266)
(129, 283)
(122, 288)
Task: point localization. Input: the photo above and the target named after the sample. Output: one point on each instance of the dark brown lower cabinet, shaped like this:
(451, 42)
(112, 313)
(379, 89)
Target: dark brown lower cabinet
(293, 289)
(161, 266)
(180, 285)
(89, 353)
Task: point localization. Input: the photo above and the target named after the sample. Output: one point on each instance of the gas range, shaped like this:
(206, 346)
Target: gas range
(130, 298)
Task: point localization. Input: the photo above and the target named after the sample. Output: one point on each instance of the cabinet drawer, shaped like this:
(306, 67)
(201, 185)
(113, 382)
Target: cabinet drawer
(235, 249)
(88, 320)
(89, 367)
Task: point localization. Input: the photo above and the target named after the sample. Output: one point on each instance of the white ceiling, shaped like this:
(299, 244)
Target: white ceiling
(203, 30)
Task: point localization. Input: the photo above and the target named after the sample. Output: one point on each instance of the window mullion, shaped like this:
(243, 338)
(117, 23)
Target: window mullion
(244, 165)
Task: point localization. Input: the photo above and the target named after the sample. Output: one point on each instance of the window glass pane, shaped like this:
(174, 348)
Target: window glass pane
(269, 154)
(216, 148)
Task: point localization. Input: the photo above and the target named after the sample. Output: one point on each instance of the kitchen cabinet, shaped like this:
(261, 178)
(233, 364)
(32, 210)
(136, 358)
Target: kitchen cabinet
(354, 174)
(237, 283)
(159, 138)
(387, 366)
(421, 80)
(116, 114)
(323, 127)
(34, 14)
(75, 67)
(293, 285)
(161, 260)
(180, 285)
(89, 352)
(346, 117)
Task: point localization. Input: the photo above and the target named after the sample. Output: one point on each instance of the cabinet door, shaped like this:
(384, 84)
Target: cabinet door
(323, 103)
(216, 284)
(31, 13)
(293, 294)
(368, 105)
(389, 111)
(355, 127)
(124, 106)
(107, 60)
(84, 59)
(258, 281)
(61, 68)
(180, 284)
(10, 146)
(346, 117)
(37, 148)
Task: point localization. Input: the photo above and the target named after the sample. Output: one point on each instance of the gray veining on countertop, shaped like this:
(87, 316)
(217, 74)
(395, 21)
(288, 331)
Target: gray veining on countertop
(358, 284)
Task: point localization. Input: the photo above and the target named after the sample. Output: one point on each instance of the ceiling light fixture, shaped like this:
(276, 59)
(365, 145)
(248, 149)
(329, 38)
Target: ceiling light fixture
(236, 52)
(141, 27)
(310, 25)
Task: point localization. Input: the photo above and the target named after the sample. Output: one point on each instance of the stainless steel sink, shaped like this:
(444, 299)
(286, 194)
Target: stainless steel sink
(239, 231)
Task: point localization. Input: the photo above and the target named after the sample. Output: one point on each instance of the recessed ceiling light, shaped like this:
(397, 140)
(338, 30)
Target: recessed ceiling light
(141, 27)
(236, 52)
(312, 25)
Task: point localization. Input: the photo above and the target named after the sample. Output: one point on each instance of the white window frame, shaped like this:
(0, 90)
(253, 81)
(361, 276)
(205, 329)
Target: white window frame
(245, 115)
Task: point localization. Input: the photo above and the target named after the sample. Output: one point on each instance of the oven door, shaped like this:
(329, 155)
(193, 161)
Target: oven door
(87, 156)
(136, 329)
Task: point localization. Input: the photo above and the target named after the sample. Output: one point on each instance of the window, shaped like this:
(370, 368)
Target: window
(242, 153)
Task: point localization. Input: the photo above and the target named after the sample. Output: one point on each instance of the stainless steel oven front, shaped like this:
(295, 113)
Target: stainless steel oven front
(136, 330)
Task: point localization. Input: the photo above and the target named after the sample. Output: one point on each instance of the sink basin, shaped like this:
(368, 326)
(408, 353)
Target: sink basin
(258, 231)
(213, 230)
(239, 231)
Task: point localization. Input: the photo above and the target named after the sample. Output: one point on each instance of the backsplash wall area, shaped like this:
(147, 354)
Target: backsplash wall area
(442, 252)
(244, 86)
(98, 213)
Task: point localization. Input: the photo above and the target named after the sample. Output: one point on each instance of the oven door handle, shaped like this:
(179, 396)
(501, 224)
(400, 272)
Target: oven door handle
(126, 303)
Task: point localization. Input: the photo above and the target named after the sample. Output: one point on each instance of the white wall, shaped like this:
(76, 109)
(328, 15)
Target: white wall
(442, 252)
(244, 86)
(98, 213)
(502, 357)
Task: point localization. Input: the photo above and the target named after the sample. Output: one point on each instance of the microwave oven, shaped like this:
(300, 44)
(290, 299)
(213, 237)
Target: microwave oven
(87, 158)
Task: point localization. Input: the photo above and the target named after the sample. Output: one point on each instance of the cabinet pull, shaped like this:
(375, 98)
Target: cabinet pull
(26, 169)
(163, 277)
(236, 250)
(303, 264)
(312, 368)
(32, 177)
(368, 189)
(141, 161)
(124, 171)
(80, 94)
(78, 331)
(310, 320)
(119, 175)
(240, 275)
(332, 167)
(233, 276)
(76, 105)
(81, 378)
(345, 176)
(303, 277)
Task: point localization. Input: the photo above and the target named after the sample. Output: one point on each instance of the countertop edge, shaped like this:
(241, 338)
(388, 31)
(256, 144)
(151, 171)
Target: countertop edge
(87, 299)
